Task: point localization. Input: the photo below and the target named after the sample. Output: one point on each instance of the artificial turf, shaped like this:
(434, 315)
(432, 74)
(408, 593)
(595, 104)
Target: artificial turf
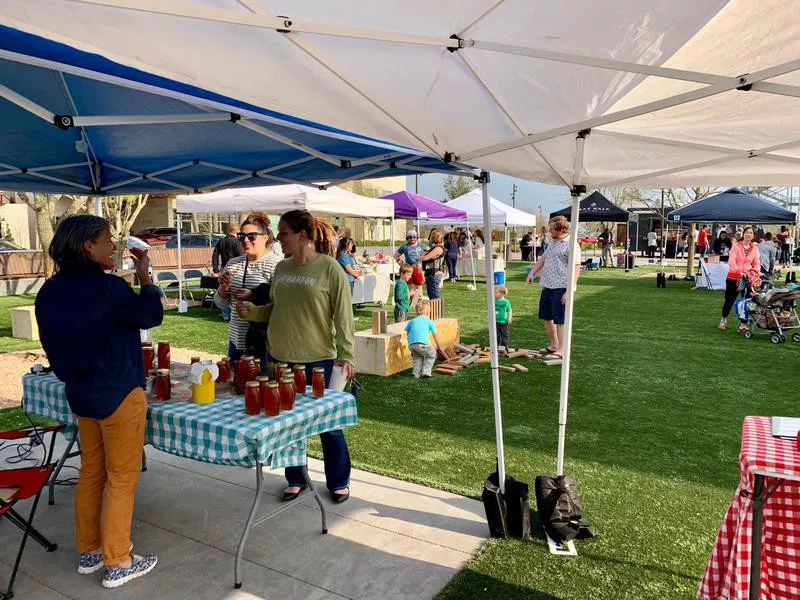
(657, 398)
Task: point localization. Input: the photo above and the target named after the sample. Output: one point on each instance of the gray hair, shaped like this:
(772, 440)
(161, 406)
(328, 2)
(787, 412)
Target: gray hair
(70, 236)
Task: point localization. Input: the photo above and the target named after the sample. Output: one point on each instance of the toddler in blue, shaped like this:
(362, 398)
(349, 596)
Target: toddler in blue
(419, 329)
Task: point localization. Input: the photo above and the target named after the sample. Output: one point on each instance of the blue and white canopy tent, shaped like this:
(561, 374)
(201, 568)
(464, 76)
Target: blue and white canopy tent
(635, 92)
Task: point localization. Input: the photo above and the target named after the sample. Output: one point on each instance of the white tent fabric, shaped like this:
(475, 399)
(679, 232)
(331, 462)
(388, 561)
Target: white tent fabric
(282, 198)
(501, 215)
(676, 93)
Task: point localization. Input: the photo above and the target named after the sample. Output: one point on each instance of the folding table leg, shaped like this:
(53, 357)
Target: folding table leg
(10, 591)
(51, 491)
(759, 497)
(317, 498)
(17, 520)
(237, 578)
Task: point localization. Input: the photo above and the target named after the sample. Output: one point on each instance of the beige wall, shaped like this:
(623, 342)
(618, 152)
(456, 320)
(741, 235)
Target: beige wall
(20, 221)
(159, 211)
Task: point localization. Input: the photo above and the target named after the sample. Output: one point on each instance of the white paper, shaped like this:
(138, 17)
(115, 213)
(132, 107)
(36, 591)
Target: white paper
(785, 427)
(338, 379)
(134, 243)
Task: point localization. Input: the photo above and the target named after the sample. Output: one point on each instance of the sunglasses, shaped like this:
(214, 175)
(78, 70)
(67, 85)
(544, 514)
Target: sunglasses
(249, 236)
(411, 238)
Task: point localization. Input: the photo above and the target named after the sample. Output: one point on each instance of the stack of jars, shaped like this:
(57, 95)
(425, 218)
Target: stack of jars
(278, 395)
(158, 379)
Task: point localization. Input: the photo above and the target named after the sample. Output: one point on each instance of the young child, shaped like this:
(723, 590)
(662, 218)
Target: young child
(418, 328)
(502, 315)
(402, 294)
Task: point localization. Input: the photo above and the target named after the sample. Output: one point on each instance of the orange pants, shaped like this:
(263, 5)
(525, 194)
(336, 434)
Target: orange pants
(111, 459)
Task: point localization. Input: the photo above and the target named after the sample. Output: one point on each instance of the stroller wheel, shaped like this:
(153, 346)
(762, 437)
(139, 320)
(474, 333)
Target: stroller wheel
(748, 334)
(796, 338)
(775, 338)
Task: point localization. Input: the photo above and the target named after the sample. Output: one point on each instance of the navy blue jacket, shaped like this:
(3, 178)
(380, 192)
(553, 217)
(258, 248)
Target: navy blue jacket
(89, 325)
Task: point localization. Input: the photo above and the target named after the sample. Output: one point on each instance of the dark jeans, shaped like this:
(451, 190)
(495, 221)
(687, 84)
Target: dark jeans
(451, 267)
(786, 257)
(651, 251)
(731, 294)
(400, 315)
(334, 447)
(502, 334)
(432, 283)
(235, 354)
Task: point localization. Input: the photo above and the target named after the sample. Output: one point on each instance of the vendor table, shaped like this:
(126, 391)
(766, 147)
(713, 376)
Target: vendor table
(219, 433)
(758, 545)
(372, 287)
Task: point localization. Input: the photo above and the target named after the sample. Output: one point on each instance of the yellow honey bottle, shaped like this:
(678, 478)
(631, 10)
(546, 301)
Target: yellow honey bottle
(202, 376)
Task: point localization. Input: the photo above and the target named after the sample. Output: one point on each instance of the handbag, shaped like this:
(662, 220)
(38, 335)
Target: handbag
(255, 340)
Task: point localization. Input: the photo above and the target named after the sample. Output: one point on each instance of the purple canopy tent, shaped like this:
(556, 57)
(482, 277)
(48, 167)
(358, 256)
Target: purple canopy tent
(408, 205)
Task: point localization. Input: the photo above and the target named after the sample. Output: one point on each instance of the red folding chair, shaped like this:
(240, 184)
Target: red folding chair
(26, 483)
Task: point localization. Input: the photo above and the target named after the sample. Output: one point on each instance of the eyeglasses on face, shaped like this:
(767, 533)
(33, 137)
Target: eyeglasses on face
(250, 236)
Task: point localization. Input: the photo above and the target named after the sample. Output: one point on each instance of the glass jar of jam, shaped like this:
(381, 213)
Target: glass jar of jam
(163, 355)
(318, 382)
(252, 398)
(220, 372)
(271, 399)
(286, 391)
(280, 370)
(299, 373)
(228, 372)
(148, 358)
(162, 389)
(245, 371)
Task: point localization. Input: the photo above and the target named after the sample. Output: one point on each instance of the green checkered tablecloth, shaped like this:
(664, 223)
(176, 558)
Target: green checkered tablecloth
(219, 433)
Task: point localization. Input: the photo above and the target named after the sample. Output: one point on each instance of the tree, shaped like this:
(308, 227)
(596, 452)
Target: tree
(121, 212)
(455, 186)
(44, 209)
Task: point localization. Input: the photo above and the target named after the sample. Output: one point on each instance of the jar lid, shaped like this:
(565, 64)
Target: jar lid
(287, 379)
(318, 370)
(262, 378)
(282, 365)
(163, 371)
(299, 367)
(247, 357)
(272, 384)
(252, 384)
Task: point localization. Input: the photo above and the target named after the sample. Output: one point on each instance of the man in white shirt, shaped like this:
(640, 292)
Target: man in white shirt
(652, 244)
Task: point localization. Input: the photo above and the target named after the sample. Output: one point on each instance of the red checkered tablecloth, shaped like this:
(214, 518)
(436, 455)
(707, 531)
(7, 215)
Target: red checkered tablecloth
(728, 574)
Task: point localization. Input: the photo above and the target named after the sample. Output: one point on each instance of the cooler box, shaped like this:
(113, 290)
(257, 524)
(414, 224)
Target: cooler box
(499, 277)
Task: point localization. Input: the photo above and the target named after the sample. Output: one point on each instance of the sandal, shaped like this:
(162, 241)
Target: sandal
(553, 356)
(545, 350)
(723, 323)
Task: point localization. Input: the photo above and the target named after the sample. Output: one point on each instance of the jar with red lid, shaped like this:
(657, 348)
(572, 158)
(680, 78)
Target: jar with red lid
(163, 355)
(162, 388)
(252, 398)
(148, 358)
(318, 382)
(271, 399)
(299, 374)
(286, 391)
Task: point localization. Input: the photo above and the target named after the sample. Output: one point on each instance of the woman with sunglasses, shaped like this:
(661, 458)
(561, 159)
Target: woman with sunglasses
(244, 273)
(311, 323)
(410, 253)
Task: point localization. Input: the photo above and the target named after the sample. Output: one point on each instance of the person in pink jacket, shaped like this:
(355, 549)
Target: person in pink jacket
(744, 262)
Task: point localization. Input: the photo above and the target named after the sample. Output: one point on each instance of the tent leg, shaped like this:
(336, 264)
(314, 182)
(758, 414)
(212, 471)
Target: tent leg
(566, 352)
(393, 261)
(471, 258)
(182, 306)
(498, 417)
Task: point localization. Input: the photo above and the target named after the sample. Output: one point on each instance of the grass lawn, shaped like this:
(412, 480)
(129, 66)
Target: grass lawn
(658, 395)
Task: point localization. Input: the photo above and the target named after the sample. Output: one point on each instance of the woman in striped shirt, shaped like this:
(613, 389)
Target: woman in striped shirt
(244, 273)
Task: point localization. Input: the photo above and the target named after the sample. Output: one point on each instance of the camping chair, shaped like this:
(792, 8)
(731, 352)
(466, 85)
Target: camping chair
(196, 286)
(21, 484)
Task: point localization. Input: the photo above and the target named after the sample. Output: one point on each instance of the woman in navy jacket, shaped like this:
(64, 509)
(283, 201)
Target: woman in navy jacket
(89, 324)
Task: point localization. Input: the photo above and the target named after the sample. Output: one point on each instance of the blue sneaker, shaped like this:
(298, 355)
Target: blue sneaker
(117, 576)
(90, 562)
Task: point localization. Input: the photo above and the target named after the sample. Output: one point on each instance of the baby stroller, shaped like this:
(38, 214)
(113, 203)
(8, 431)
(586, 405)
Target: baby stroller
(771, 311)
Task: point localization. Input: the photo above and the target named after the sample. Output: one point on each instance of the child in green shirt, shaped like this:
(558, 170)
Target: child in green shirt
(502, 315)
(402, 294)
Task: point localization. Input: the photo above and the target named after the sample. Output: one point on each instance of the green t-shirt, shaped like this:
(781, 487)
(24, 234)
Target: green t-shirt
(401, 299)
(501, 310)
(310, 312)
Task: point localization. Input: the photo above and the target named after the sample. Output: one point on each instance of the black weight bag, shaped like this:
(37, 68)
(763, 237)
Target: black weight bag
(661, 280)
(508, 515)
(558, 502)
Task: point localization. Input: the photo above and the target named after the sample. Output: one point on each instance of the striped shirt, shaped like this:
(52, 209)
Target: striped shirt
(258, 272)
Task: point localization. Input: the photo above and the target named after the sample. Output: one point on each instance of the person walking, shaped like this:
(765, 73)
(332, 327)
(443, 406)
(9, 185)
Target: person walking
(607, 248)
(310, 323)
(89, 324)
(452, 249)
(554, 268)
(409, 254)
(767, 255)
(652, 243)
(744, 268)
(783, 240)
(703, 245)
(682, 243)
(227, 248)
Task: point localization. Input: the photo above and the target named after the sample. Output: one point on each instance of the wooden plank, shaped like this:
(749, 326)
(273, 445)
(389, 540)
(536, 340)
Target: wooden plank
(517, 354)
(520, 368)
(484, 360)
(507, 369)
(464, 349)
(552, 361)
(445, 371)
(467, 360)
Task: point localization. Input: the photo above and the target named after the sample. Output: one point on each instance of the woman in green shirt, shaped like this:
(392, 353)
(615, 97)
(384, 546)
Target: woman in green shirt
(310, 323)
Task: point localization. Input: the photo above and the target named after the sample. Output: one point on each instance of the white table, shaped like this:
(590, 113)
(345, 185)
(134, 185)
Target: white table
(372, 288)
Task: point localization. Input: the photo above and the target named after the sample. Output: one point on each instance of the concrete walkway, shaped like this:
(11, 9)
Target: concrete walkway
(390, 540)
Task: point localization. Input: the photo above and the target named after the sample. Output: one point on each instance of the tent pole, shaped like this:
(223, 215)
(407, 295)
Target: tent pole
(566, 352)
(488, 267)
(393, 262)
(471, 258)
(180, 264)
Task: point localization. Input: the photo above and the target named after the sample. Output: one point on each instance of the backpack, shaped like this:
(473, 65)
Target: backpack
(558, 502)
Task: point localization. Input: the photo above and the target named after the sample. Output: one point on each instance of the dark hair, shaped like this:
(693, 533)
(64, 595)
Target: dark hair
(261, 221)
(344, 245)
(70, 236)
(750, 227)
(560, 224)
(768, 235)
(300, 221)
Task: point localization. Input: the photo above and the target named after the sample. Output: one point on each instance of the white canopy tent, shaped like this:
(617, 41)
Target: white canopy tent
(500, 214)
(660, 85)
(280, 199)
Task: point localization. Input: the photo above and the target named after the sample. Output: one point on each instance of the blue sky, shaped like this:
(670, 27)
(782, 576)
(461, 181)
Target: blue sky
(529, 194)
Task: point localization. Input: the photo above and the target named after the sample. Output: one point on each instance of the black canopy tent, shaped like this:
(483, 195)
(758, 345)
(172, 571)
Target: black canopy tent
(732, 206)
(595, 208)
